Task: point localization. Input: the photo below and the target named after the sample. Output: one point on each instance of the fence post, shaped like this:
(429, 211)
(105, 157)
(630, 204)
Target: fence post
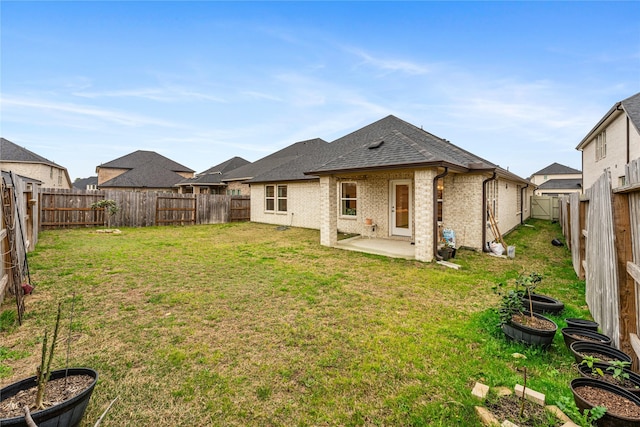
(582, 249)
(626, 285)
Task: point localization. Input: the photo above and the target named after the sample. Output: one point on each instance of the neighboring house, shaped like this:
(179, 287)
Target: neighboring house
(29, 164)
(142, 171)
(210, 181)
(557, 179)
(411, 183)
(237, 179)
(612, 143)
(90, 183)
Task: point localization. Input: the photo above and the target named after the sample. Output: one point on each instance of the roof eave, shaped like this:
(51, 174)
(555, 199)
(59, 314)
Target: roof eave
(603, 120)
(395, 166)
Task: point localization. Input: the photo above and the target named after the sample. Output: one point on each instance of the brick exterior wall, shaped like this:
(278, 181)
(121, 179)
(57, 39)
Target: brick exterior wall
(235, 186)
(462, 208)
(302, 205)
(105, 174)
(317, 205)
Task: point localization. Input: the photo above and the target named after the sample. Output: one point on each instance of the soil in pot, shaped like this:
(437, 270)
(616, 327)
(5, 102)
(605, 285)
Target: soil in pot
(616, 405)
(572, 335)
(508, 408)
(534, 322)
(602, 352)
(631, 384)
(56, 392)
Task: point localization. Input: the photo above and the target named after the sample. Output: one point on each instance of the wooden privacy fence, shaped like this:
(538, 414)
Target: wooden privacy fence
(72, 208)
(602, 229)
(544, 207)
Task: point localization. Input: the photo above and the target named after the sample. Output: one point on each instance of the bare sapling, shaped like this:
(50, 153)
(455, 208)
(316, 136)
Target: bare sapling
(43, 372)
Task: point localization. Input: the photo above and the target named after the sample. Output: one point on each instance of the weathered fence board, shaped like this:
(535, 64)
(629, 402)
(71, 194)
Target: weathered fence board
(604, 229)
(72, 208)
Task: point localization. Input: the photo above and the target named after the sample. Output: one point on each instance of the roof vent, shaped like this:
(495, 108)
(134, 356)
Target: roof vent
(375, 144)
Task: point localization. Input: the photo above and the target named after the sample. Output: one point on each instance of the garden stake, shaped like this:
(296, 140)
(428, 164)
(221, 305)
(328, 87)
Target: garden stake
(66, 371)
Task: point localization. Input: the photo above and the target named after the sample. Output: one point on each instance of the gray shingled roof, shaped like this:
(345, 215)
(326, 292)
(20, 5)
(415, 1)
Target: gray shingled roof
(400, 144)
(226, 166)
(148, 169)
(141, 157)
(10, 152)
(274, 162)
(557, 169)
(561, 184)
(213, 175)
(83, 182)
(630, 105)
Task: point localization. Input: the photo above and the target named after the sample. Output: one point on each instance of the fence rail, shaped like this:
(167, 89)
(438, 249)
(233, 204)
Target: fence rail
(602, 229)
(72, 208)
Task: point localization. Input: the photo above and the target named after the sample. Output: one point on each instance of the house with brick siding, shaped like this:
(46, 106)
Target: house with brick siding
(410, 184)
(142, 171)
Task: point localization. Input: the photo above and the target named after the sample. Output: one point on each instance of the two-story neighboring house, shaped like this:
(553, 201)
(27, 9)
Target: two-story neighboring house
(557, 179)
(142, 171)
(23, 162)
(612, 143)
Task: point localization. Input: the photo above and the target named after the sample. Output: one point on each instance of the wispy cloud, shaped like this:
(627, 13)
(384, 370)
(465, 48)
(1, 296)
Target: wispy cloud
(111, 116)
(162, 94)
(390, 64)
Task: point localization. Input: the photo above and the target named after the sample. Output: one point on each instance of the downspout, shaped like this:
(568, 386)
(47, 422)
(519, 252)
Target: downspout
(522, 193)
(484, 211)
(628, 144)
(435, 210)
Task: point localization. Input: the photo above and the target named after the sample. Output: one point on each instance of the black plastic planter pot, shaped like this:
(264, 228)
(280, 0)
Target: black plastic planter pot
(524, 334)
(582, 324)
(572, 335)
(609, 419)
(634, 378)
(601, 351)
(543, 304)
(65, 414)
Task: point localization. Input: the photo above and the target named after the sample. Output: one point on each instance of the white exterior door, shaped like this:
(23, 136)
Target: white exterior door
(400, 208)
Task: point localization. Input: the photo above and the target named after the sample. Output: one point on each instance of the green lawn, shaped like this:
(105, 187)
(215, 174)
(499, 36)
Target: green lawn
(243, 324)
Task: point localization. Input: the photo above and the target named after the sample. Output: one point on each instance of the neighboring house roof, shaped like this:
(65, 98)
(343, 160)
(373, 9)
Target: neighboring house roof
(290, 155)
(226, 166)
(631, 106)
(10, 152)
(82, 183)
(146, 169)
(561, 184)
(213, 175)
(557, 169)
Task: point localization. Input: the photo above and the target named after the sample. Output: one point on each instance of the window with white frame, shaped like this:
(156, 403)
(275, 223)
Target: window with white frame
(348, 199)
(601, 145)
(282, 198)
(270, 198)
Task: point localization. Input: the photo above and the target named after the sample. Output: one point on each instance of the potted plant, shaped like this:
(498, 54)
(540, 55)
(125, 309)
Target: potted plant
(524, 325)
(447, 249)
(537, 303)
(57, 398)
(622, 407)
(615, 372)
(581, 349)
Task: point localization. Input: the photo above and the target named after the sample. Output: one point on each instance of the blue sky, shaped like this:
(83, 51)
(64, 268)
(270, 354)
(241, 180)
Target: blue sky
(518, 83)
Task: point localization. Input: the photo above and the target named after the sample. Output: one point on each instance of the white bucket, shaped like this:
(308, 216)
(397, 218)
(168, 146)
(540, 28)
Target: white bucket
(511, 251)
